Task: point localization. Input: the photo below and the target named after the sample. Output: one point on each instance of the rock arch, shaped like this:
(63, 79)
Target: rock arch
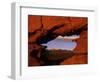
(42, 29)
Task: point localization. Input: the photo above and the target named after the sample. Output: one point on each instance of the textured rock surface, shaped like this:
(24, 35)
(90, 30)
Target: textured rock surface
(42, 29)
(81, 48)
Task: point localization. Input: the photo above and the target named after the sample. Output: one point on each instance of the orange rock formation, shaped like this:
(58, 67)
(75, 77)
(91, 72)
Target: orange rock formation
(42, 29)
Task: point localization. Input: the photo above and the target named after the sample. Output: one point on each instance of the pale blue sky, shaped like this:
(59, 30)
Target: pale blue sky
(61, 44)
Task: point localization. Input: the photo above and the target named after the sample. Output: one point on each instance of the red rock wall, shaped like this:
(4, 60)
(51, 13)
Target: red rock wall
(41, 26)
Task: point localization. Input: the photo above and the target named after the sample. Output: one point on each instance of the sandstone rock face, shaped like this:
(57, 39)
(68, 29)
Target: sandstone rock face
(81, 50)
(42, 29)
(34, 23)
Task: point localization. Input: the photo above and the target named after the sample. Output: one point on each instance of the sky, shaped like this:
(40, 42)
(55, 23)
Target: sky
(64, 43)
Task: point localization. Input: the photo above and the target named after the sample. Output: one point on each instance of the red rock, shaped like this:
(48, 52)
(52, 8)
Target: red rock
(33, 61)
(82, 45)
(41, 26)
(34, 23)
(77, 59)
